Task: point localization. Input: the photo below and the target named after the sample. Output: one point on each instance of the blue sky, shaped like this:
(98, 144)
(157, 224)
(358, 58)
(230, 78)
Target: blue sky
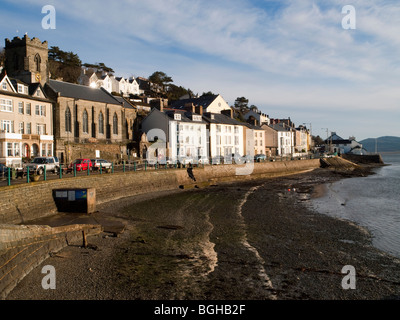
(290, 58)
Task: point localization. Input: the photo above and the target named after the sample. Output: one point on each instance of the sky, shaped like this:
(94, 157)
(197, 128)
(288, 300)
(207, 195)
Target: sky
(332, 69)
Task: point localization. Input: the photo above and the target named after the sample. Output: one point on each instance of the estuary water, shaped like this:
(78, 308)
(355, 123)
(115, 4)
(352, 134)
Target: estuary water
(372, 202)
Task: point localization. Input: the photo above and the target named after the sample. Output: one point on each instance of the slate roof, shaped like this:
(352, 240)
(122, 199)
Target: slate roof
(203, 101)
(70, 90)
(186, 116)
(124, 102)
(252, 126)
(221, 119)
(281, 127)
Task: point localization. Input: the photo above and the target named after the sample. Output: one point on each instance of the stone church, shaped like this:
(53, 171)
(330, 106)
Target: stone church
(87, 122)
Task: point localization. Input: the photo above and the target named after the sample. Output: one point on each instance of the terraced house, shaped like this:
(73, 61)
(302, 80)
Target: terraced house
(26, 128)
(25, 112)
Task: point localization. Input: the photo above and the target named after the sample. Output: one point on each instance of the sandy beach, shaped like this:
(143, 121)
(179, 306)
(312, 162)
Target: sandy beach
(256, 240)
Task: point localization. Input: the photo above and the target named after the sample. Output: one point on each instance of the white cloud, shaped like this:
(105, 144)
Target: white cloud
(297, 56)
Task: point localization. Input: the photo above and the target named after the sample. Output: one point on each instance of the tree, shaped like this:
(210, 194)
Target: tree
(64, 65)
(254, 108)
(241, 104)
(160, 78)
(174, 92)
(209, 93)
(317, 140)
(2, 57)
(99, 67)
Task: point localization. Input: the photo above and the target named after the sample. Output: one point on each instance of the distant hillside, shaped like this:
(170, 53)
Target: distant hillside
(384, 144)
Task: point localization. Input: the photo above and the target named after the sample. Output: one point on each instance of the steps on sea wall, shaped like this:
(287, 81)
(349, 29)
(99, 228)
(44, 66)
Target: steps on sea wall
(23, 248)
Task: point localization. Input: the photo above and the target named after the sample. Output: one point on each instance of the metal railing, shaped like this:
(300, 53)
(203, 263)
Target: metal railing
(12, 176)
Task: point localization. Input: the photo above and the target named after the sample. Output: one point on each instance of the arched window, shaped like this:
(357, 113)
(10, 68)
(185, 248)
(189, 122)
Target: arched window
(101, 123)
(85, 124)
(115, 124)
(37, 60)
(68, 126)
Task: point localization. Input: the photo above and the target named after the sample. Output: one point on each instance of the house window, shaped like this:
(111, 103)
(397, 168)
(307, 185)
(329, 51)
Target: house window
(10, 151)
(20, 107)
(16, 149)
(68, 127)
(40, 129)
(101, 123)
(28, 108)
(6, 105)
(7, 126)
(4, 85)
(85, 124)
(115, 124)
(13, 149)
(20, 88)
(196, 118)
(177, 116)
(40, 110)
(21, 128)
(28, 128)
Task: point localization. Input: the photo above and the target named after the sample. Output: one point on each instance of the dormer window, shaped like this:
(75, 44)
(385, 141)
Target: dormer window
(20, 88)
(196, 118)
(4, 85)
(177, 116)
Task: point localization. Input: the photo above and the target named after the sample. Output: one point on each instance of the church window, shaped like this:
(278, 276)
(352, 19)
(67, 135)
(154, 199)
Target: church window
(68, 126)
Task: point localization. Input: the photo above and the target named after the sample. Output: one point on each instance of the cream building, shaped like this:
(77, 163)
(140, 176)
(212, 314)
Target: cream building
(26, 127)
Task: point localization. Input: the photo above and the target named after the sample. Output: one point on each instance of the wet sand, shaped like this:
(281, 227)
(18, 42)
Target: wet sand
(256, 240)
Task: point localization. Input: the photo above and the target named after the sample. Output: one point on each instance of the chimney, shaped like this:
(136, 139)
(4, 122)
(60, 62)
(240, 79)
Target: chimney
(199, 110)
(158, 104)
(190, 107)
(228, 112)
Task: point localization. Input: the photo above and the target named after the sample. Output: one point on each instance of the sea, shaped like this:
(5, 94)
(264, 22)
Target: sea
(372, 202)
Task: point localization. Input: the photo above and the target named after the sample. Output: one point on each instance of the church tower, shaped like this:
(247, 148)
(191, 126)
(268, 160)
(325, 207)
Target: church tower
(27, 59)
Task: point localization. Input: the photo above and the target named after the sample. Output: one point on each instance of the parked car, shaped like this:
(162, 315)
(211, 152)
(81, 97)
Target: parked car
(164, 161)
(185, 160)
(218, 160)
(203, 160)
(81, 165)
(3, 170)
(38, 165)
(260, 157)
(97, 162)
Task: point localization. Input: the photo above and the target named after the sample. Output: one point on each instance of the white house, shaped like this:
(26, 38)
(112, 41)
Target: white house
(179, 135)
(257, 118)
(337, 144)
(133, 86)
(285, 139)
(226, 135)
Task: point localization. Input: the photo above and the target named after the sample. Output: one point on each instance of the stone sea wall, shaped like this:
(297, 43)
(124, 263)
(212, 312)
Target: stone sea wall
(23, 247)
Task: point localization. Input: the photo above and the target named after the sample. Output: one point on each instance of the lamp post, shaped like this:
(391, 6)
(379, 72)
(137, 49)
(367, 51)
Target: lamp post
(327, 137)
